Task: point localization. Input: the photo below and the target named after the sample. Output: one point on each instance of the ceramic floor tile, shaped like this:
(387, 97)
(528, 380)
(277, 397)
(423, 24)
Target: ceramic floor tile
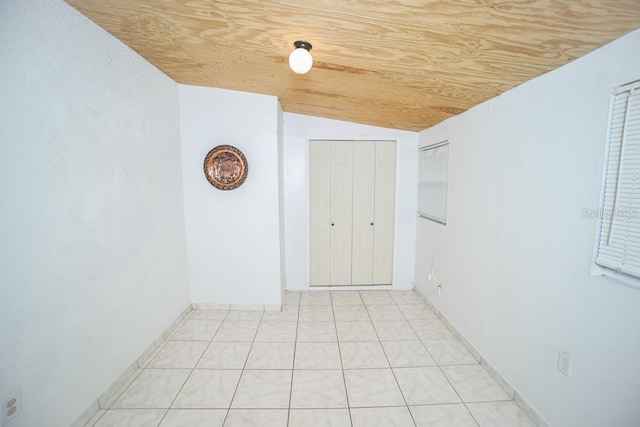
(374, 417)
(416, 311)
(361, 355)
(154, 388)
(431, 329)
(315, 298)
(455, 415)
(394, 330)
(291, 298)
(271, 355)
(289, 313)
(384, 312)
(322, 313)
(356, 331)
(257, 418)
(194, 418)
(376, 297)
(372, 387)
(131, 418)
(245, 315)
(346, 298)
(406, 354)
(318, 389)
(237, 330)
(178, 354)
(406, 297)
(208, 389)
(499, 414)
(350, 313)
(474, 384)
(319, 417)
(449, 352)
(317, 332)
(425, 386)
(276, 331)
(196, 330)
(225, 355)
(263, 389)
(370, 350)
(311, 355)
(208, 314)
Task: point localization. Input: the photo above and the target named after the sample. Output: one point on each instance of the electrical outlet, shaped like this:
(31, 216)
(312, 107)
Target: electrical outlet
(564, 363)
(11, 407)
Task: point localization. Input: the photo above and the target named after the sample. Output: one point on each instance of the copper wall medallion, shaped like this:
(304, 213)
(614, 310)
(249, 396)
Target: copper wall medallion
(225, 167)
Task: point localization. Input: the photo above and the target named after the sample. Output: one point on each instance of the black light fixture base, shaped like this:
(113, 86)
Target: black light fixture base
(302, 44)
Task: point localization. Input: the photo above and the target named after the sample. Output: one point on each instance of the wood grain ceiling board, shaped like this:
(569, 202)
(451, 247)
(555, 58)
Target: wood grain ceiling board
(404, 64)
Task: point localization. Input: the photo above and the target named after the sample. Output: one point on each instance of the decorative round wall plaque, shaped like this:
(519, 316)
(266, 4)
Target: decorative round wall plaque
(225, 167)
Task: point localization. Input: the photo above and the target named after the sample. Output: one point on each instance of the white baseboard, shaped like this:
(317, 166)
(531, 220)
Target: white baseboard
(109, 396)
(233, 307)
(351, 288)
(517, 397)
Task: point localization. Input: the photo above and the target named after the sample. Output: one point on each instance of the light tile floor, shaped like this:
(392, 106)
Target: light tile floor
(329, 358)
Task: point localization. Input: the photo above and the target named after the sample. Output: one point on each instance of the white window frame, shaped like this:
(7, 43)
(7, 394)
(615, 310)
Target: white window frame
(606, 213)
(425, 211)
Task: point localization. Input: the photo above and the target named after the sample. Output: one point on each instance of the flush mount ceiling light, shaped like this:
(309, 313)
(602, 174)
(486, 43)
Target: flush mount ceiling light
(300, 59)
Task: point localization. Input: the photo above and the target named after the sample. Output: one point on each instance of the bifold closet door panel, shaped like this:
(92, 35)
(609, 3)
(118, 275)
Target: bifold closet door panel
(364, 157)
(384, 212)
(352, 204)
(320, 213)
(341, 212)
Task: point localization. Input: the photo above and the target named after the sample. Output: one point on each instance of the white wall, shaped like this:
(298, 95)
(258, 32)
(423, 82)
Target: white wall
(283, 267)
(233, 237)
(515, 255)
(298, 130)
(92, 244)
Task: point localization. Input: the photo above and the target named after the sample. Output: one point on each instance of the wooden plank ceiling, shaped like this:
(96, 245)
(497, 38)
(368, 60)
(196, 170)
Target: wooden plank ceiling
(404, 64)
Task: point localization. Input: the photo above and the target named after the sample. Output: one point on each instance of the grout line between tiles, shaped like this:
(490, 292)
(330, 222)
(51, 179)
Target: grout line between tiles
(192, 369)
(104, 411)
(148, 355)
(293, 364)
(289, 408)
(344, 379)
(443, 374)
(243, 369)
(389, 362)
(532, 414)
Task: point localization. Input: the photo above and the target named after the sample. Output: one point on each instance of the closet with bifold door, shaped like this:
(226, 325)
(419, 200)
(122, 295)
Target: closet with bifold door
(351, 212)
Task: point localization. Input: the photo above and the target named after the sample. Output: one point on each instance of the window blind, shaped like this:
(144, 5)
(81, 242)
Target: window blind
(433, 182)
(619, 245)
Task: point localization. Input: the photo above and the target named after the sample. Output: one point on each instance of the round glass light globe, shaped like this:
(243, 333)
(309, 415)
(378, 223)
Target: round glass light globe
(300, 60)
